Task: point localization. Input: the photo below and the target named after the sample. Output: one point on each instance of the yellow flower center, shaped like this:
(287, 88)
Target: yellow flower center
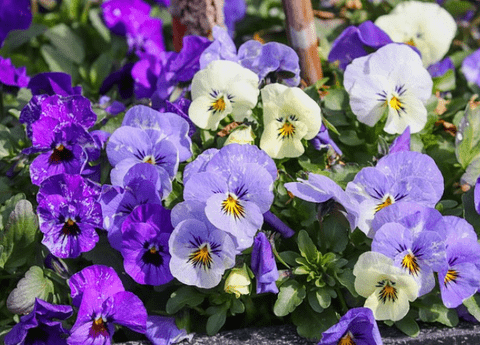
(149, 159)
(388, 201)
(395, 103)
(153, 250)
(232, 207)
(219, 105)
(411, 42)
(201, 256)
(70, 228)
(451, 276)
(347, 339)
(388, 291)
(409, 262)
(287, 130)
(98, 327)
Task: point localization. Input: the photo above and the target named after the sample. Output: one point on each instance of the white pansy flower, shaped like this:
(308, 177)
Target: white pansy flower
(222, 88)
(289, 115)
(241, 135)
(387, 288)
(391, 80)
(427, 26)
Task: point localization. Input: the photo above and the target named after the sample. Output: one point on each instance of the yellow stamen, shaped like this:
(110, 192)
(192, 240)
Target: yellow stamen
(219, 105)
(388, 201)
(451, 276)
(411, 42)
(70, 222)
(388, 293)
(287, 130)
(153, 250)
(201, 256)
(347, 339)
(232, 207)
(149, 159)
(409, 262)
(98, 327)
(395, 103)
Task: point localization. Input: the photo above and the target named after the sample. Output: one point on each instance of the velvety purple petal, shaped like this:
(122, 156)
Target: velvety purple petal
(123, 79)
(162, 330)
(147, 37)
(72, 187)
(234, 10)
(180, 107)
(154, 214)
(402, 142)
(122, 16)
(53, 83)
(471, 67)
(199, 164)
(145, 74)
(277, 224)
(127, 309)
(438, 69)
(222, 48)
(11, 76)
(323, 140)
(187, 62)
(14, 15)
(372, 36)
(263, 264)
(476, 195)
(347, 47)
(128, 142)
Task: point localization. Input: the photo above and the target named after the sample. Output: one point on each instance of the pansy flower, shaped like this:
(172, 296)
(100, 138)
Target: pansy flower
(14, 15)
(426, 26)
(387, 288)
(289, 115)
(53, 83)
(68, 214)
(356, 327)
(392, 80)
(145, 234)
(12, 76)
(322, 140)
(200, 252)
(470, 67)
(163, 330)
(263, 265)
(39, 328)
(222, 88)
(397, 177)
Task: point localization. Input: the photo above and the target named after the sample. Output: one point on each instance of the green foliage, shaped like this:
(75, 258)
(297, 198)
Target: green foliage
(184, 296)
(408, 325)
(311, 324)
(467, 143)
(290, 296)
(473, 305)
(432, 309)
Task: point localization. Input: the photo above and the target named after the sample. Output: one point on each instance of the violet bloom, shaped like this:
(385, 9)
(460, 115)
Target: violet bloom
(14, 15)
(323, 140)
(459, 279)
(397, 177)
(117, 203)
(234, 11)
(438, 69)
(68, 214)
(11, 76)
(411, 242)
(263, 265)
(53, 83)
(122, 79)
(122, 16)
(357, 326)
(321, 189)
(200, 252)
(471, 67)
(180, 107)
(145, 234)
(354, 42)
(162, 330)
(39, 328)
(104, 303)
(402, 142)
(476, 195)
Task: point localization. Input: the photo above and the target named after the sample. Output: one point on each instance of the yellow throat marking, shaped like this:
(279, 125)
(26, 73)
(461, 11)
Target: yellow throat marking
(232, 207)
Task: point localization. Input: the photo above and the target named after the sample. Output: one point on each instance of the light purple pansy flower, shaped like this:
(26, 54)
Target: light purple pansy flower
(145, 234)
(357, 326)
(68, 214)
(12, 76)
(162, 330)
(39, 328)
(323, 140)
(234, 11)
(397, 177)
(471, 67)
(438, 69)
(402, 142)
(263, 265)
(200, 252)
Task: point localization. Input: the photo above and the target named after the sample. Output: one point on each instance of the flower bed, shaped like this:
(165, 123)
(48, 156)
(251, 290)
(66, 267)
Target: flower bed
(153, 193)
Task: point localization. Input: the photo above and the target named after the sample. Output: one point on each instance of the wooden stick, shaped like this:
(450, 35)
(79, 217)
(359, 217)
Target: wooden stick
(303, 38)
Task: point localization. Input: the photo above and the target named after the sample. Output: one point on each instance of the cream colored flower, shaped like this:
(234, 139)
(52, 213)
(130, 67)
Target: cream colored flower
(241, 135)
(387, 288)
(238, 282)
(425, 25)
(289, 115)
(222, 88)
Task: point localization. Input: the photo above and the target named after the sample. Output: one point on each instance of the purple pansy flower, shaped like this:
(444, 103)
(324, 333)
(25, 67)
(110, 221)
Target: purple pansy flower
(200, 252)
(402, 142)
(234, 11)
(357, 326)
(53, 83)
(438, 69)
(263, 265)
(162, 330)
(323, 140)
(353, 42)
(111, 107)
(123, 16)
(145, 234)
(277, 224)
(11, 76)
(411, 242)
(39, 328)
(123, 79)
(471, 67)
(68, 214)
(180, 107)
(320, 189)
(476, 195)
(117, 203)
(14, 15)
(397, 177)
(222, 48)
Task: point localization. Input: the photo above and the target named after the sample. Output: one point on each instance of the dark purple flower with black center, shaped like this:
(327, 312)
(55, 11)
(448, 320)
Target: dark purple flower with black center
(14, 15)
(122, 79)
(117, 203)
(357, 326)
(162, 330)
(439, 69)
(322, 140)
(68, 214)
(145, 234)
(411, 242)
(53, 83)
(104, 303)
(355, 42)
(459, 278)
(402, 142)
(263, 265)
(39, 327)
(12, 76)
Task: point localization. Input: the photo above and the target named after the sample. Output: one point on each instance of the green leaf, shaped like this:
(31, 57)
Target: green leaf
(289, 257)
(472, 172)
(67, 42)
(445, 82)
(311, 324)
(290, 296)
(306, 246)
(57, 62)
(336, 99)
(433, 310)
(100, 69)
(313, 301)
(323, 297)
(350, 138)
(409, 326)
(237, 306)
(34, 284)
(217, 320)
(18, 37)
(184, 296)
(18, 241)
(334, 233)
(473, 306)
(347, 279)
(95, 17)
(467, 140)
